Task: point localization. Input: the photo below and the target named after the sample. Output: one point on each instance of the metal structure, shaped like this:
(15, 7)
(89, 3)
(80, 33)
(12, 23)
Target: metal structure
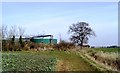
(51, 40)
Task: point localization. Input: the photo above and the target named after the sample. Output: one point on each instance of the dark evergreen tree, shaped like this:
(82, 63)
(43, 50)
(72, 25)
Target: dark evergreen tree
(20, 40)
(12, 43)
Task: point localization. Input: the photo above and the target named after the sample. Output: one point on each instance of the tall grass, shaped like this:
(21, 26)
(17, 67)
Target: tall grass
(108, 59)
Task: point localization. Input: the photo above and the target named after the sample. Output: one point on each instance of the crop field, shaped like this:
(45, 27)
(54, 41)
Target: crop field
(30, 61)
(107, 49)
(44, 61)
(27, 61)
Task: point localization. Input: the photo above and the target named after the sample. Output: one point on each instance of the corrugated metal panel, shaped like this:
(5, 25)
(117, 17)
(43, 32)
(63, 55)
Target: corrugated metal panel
(45, 41)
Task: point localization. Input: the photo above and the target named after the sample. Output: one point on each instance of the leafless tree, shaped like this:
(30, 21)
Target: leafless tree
(4, 31)
(21, 31)
(80, 33)
(0, 32)
(0, 38)
(12, 31)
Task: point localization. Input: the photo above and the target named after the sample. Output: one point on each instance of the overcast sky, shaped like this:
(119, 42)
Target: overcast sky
(56, 17)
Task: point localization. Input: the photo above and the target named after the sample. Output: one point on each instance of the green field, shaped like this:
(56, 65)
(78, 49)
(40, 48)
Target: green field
(50, 60)
(107, 49)
(44, 61)
(27, 61)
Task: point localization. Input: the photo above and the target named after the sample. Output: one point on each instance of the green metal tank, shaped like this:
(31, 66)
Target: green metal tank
(45, 41)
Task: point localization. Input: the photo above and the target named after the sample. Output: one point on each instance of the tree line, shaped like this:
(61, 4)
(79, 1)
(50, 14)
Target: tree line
(80, 33)
(9, 37)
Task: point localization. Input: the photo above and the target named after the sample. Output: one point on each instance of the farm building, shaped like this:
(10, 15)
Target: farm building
(41, 39)
(38, 39)
(45, 41)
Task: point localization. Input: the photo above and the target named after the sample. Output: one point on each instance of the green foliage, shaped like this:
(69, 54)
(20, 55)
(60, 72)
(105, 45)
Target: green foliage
(30, 61)
(27, 62)
(107, 49)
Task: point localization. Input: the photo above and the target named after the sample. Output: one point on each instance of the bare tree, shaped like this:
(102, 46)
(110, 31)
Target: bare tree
(4, 30)
(21, 31)
(12, 31)
(0, 38)
(80, 33)
(0, 32)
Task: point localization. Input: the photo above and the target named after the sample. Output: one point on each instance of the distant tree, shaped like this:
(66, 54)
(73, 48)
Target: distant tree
(80, 33)
(20, 40)
(3, 43)
(4, 31)
(12, 45)
(12, 31)
(9, 36)
(21, 33)
(13, 40)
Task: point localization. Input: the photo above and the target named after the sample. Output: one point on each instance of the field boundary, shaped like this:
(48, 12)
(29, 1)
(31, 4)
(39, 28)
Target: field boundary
(98, 67)
(96, 64)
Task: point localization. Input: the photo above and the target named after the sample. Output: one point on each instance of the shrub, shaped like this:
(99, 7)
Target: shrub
(4, 45)
(64, 46)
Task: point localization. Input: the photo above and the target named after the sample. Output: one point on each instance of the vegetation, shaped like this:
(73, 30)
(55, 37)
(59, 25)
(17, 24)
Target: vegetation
(65, 56)
(44, 61)
(107, 58)
(9, 42)
(80, 33)
(27, 61)
(63, 45)
(107, 49)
